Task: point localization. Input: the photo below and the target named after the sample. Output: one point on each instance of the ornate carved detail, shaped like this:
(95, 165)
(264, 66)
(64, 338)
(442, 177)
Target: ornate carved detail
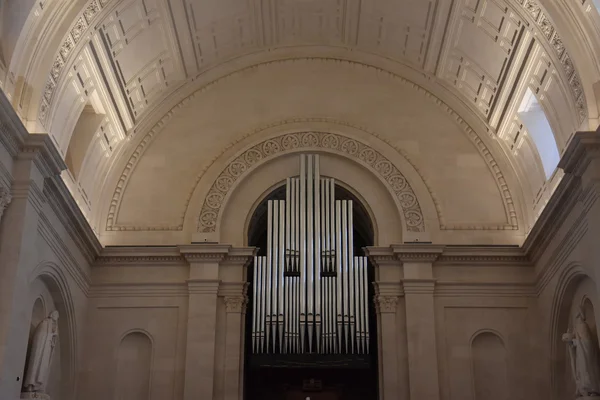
(5, 199)
(386, 303)
(235, 304)
(546, 26)
(94, 7)
(471, 134)
(78, 30)
(397, 183)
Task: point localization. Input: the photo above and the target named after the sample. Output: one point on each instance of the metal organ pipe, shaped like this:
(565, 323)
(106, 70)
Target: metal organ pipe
(310, 290)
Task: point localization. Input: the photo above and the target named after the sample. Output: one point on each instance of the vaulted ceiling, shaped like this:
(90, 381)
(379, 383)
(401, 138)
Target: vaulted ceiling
(142, 97)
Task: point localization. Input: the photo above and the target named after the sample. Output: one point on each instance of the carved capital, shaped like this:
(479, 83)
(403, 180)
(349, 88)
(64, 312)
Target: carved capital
(386, 304)
(236, 304)
(5, 199)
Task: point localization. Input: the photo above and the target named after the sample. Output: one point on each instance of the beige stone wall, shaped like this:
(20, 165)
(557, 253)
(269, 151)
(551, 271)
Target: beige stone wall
(455, 322)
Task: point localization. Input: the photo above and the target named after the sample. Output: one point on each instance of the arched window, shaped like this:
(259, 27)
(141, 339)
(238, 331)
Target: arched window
(533, 117)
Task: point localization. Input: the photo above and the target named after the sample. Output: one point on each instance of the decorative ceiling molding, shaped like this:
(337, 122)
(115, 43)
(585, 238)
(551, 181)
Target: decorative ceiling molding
(351, 148)
(512, 221)
(65, 54)
(546, 26)
(85, 21)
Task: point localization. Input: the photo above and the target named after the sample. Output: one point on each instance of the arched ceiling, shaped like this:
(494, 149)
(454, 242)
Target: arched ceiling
(439, 81)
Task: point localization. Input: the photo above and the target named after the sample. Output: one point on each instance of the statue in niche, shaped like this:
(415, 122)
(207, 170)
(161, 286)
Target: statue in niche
(583, 353)
(43, 344)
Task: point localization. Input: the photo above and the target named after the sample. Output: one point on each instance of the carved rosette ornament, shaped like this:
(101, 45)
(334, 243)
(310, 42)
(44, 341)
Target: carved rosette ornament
(386, 304)
(236, 304)
(5, 199)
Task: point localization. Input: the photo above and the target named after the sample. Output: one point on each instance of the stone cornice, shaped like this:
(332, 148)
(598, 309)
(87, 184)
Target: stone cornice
(425, 253)
(203, 286)
(46, 157)
(582, 150)
(68, 212)
(448, 255)
(12, 131)
(205, 252)
(418, 286)
(233, 289)
(147, 256)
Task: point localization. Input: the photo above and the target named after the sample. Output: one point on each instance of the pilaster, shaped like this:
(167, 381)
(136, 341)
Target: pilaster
(203, 287)
(418, 284)
(217, 273)
(388, 291)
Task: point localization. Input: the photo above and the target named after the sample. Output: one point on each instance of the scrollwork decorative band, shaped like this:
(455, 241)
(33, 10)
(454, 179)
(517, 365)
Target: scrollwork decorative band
(379, 164)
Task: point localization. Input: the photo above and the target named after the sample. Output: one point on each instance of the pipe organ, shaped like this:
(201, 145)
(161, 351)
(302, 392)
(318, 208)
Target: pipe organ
(310, 290)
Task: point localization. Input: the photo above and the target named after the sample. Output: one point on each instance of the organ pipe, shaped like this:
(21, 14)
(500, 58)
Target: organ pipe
(310, 290)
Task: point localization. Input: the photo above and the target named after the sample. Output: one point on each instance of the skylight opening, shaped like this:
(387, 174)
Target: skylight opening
(534, 118)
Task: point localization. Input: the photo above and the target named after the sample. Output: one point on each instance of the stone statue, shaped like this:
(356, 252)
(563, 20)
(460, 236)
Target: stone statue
(44, 341)
(583, 353)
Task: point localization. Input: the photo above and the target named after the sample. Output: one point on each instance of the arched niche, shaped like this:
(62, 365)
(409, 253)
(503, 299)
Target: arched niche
(363, 184)
(134, 365)
(489, 363)
(42, 303)
(575, 290)
(49, 284)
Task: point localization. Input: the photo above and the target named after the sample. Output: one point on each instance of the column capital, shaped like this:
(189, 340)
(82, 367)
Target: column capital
(386, 303)
(236, 304)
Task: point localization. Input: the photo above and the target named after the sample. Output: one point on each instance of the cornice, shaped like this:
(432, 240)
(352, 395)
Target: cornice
(45, 155)
(12, 131)
(448, 255)
(147, 256)
(426, 253)
(68, 212)
(582, 150)
(203, 252)
(418, 286)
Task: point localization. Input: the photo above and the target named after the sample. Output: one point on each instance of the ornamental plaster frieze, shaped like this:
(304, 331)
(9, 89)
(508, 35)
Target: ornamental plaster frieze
(351, 148)
(87, 19)
(129, 167)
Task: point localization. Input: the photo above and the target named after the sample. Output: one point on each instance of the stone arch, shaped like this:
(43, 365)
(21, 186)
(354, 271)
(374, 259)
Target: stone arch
(134, 365)
(354, 151)
(489, 366)
(54, 279)
(386, 214)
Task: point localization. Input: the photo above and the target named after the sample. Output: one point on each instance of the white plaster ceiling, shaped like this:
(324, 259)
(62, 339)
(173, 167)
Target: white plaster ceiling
(135, 60)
